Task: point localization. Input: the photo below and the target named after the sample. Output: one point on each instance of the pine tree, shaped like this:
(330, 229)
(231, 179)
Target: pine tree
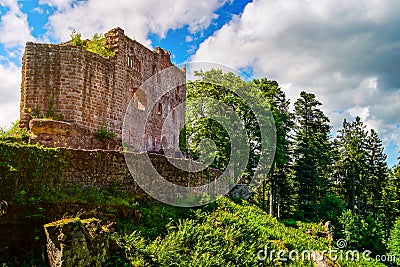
(280, 185)
(390, 199)
(312, 152)
(394, 185)
(377, 173)
(351, 166)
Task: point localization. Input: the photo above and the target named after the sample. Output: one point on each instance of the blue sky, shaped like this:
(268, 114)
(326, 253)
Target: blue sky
(346, 52)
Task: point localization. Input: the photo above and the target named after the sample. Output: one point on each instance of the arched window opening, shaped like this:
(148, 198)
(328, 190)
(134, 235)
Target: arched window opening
(139, 100)
(173, 115)
(164, 143)
(136, 65)
(159, 108)
(150, 143)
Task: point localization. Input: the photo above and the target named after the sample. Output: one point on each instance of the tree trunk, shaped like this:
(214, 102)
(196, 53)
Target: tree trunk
(279, 206)
(353, 199)
(263, 195)
(373, 207)
(271, 203)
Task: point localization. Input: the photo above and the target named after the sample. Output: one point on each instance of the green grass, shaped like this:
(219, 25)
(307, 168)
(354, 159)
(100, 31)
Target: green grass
(226, 233)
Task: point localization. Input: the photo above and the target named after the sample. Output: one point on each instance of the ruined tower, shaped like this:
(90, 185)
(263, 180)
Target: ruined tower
(88, 92)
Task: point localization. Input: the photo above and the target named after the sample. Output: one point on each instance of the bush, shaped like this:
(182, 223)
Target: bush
(103, 134)
(95, 45)
(222, 234)
(394, 241)
(330, 209)
(14, 134)
(361, 233)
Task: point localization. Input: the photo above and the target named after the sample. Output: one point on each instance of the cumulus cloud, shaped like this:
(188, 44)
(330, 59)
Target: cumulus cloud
(15, 31)
(138, 18)
(346, 52)
(59, 4)
(10, 79)
(14, 27)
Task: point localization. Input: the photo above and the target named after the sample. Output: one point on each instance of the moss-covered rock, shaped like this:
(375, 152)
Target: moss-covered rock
(76, 242)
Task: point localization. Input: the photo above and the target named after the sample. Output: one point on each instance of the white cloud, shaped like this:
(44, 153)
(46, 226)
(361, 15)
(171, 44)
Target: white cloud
(14, 27)
(38, 10)
(11, 4)
(362, 112)
(59, 4)
(15, 31)
(138, 18)
(345, 52)
(10, 80)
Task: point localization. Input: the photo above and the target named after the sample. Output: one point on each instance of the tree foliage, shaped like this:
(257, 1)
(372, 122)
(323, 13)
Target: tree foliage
(221, 87)
(312, 150)
(280, 184)
(96, 45)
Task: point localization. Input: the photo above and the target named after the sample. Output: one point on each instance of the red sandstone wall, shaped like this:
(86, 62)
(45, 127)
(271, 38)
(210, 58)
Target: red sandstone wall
(82, 84)
(93, 168)
(92, 91)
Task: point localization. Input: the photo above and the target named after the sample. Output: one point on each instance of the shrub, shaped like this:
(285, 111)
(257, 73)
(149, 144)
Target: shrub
(95, 45)
(51, 113)
(361, 233)
(394, 241)
(222, 234)
(103, 134)
(14, 134)
(330, 209)
(76, 38)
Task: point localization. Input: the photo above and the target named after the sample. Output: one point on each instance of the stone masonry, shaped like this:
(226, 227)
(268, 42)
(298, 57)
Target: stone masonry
(91, 92)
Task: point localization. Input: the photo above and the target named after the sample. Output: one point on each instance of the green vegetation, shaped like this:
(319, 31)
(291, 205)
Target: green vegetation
(14, 134)
(103, 134)
(50, 113)
(314, 177)
(394, 241)
(95, 45)
(360, 232)
(225, 233)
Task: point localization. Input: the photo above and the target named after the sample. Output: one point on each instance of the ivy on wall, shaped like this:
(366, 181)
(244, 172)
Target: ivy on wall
(25, 168)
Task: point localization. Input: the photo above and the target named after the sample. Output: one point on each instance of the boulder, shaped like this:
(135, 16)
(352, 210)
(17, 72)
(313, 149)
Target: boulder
(53, 133)
(76, 242)
(241, 191)
(54, 127)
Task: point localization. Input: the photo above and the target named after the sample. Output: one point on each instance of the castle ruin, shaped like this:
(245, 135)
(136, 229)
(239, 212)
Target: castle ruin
(89, 92)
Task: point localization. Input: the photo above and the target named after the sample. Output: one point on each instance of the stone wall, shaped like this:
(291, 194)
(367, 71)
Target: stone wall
(52, 133)
(60, 169)
(88, 90)
(81, 84)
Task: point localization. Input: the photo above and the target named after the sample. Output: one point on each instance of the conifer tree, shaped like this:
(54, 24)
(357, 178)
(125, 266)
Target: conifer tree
(377, 173)
(280, 185)
(390, 209)
(312, 152)
(351, 165)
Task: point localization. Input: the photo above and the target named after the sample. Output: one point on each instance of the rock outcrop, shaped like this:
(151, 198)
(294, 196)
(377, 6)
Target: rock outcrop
(76, 242)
